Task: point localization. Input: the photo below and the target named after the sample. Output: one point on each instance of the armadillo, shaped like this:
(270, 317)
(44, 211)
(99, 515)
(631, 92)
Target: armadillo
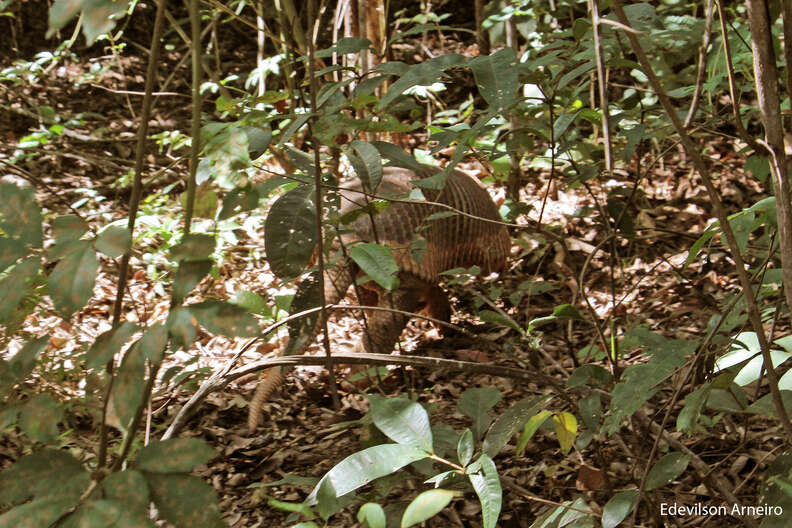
(472, 237)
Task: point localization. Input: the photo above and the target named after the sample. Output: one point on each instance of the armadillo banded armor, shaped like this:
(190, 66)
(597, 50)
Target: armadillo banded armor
(452, 241)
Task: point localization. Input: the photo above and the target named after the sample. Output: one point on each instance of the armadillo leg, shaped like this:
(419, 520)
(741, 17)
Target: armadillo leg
(384, 328)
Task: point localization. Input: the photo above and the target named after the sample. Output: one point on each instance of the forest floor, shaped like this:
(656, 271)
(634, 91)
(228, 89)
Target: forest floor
(85, 169)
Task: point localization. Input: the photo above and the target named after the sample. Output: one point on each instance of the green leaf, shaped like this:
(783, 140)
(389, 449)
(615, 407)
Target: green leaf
(225, 318)
(475, 403)
(68, 228)
(38, 474)
(175, 455)
(37, 514)
(497, 78)
(426, 505)
(372, 515)
(16, 286)
(71, 282)
(252, 302)
(128, 388)
(566, 429)
(184, 500)
(194, 247)
(39, 418)
(108, 514)
(23, 362)
(666, 470)
(362, 467)
(238, 201)
(563, 312)
(290, 232)
(465, 447)
(10, 251)
(378, 263)
(489, 316)
(488, 489)
(114, 241)
(403, 421)
(530, 429)
(20, 216)
(617, 508)
(511, 421)
(397, 156)
(181, 327)
(153, 342)
(370, 172)
(188, 275)
(108, 344)
(687, 420)
(128, 487)
(423, 74)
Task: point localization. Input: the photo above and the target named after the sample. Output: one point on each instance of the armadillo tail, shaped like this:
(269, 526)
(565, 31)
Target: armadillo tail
(271, 380)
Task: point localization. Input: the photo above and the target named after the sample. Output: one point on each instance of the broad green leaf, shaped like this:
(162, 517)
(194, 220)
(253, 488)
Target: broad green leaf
(175, 455)
(465, 447)
(490, 316)
(370, 172)
(594, 375)
(238, 201)
(153, 342)
(403, 421)
(362, 467)
(530, 429)
(71, 282)
(666, 470)
(345, 46)
(372, 515)
(511, 421)
(566, 429)
(69, 227)
(690, 413)
(590, 409)
(127, 392)
(108, 514)
(39, 418)
(617, 508)
(184, 500)
(38, 474)
(423, 74)
(488, 488)
(188, 275)
(10, 251)
(225, 318)
(40, 513)
(426, 505)
(114, 241)
(23, 361)
(194, 247)
(497, 77)
(108, 344)
(252, 302)
(290, 232)
(397, 156)
(16, 286)
(564, 312)
(128, 487)
(378, 263)
(20, 216)
(475, 403)
(182, 327)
